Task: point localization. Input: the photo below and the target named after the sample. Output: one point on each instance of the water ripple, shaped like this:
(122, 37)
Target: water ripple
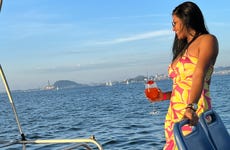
(120, 116)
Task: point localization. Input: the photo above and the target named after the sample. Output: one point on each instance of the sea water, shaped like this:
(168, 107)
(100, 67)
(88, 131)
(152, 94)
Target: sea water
(120, 116)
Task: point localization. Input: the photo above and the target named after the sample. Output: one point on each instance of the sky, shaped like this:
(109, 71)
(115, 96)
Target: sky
(94, 41)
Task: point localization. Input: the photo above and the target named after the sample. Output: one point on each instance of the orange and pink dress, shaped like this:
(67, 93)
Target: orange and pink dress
(181, 74)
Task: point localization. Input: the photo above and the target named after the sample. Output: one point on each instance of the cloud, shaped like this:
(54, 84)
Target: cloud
(220, 24)
(57, 69)
(142, 36)
(98, 65)
(133, 16)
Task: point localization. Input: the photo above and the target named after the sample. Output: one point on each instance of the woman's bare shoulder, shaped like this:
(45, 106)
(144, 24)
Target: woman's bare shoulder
(208, 38)
(209, 47)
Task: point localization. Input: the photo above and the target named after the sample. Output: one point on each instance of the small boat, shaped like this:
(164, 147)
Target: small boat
(109, 83)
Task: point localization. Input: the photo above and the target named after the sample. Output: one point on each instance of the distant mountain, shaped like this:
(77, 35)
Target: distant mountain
(139, 78)
(64, 84)
(222, 68)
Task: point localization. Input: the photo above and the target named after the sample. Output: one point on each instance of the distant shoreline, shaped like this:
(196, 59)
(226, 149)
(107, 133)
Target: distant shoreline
(131, 81)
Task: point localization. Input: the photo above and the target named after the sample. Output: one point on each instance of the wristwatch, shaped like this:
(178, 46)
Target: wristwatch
(192, 106)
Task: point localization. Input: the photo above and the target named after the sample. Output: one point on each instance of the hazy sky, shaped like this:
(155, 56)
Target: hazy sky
(91, 41)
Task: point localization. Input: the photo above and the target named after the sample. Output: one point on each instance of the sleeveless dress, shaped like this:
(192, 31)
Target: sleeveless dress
(181, 75)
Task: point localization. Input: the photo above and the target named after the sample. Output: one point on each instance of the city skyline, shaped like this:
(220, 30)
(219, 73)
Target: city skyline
(94, 41)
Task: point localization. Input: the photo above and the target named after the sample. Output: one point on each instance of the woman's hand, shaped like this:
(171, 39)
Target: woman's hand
(192, 116)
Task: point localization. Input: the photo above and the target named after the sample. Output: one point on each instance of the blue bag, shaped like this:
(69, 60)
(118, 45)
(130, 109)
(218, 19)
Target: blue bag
(215, 129)
(196, 140)
(209, 134)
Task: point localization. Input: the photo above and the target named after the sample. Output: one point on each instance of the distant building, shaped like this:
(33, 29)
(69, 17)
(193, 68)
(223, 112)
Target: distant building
(49, 86)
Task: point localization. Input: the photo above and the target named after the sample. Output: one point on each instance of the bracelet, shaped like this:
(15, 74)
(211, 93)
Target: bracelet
(164, 96)
(190, 108)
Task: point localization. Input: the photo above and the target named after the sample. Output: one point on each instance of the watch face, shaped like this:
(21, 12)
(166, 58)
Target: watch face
(195, 106)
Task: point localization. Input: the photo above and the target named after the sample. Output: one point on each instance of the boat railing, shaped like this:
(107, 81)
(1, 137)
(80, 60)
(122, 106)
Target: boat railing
(81, 142)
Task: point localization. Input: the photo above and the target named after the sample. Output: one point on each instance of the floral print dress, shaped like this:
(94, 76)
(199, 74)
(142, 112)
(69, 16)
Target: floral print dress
(181, 74)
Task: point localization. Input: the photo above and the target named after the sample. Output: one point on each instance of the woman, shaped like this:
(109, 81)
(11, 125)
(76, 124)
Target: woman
(194, 55)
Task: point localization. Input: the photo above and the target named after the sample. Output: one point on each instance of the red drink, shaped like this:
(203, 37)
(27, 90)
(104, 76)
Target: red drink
(151, 90)
(152, 93)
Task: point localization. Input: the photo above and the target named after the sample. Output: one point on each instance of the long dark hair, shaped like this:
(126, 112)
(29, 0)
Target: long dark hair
(1, 5)
(192, 17)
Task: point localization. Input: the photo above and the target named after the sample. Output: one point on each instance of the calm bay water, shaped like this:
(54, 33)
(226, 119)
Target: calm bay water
(120, 116)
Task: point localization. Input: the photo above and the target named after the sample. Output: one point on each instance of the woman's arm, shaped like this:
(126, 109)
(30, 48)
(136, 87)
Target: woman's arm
(207, 53)
(165, 95)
